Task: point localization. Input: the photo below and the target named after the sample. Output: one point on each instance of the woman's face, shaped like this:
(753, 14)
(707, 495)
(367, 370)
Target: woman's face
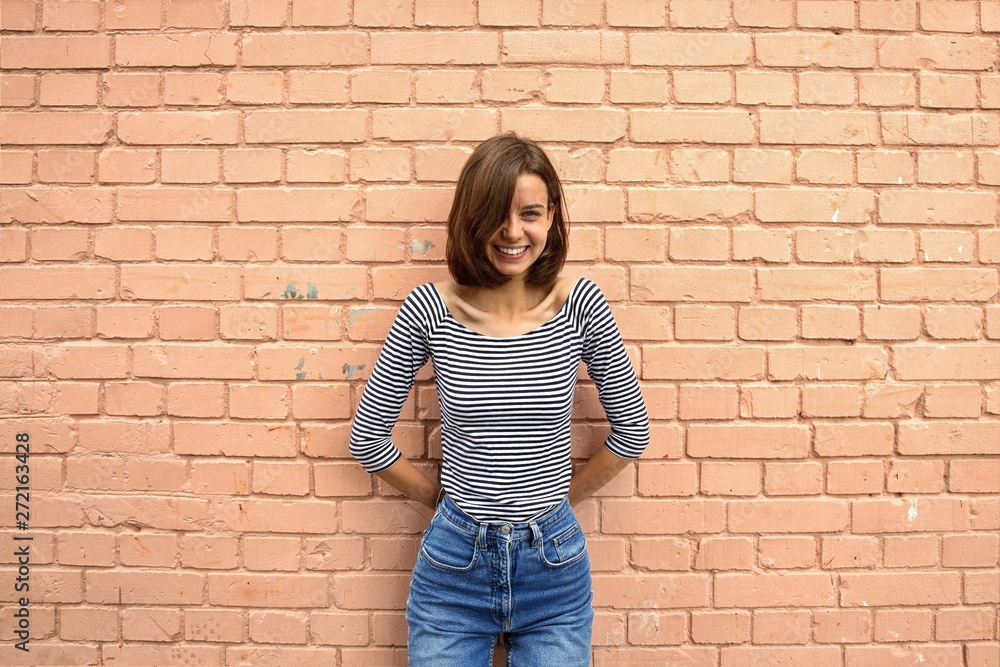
(521, 240)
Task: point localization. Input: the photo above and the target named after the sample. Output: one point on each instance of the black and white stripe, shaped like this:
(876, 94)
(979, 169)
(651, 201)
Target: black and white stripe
(506, 403)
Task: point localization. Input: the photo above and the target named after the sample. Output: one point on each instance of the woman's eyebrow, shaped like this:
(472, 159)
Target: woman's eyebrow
(527, 206)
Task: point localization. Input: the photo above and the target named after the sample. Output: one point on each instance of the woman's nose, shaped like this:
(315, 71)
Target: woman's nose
(512, 227)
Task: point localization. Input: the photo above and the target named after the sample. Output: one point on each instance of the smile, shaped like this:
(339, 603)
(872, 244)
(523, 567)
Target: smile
(511, 251)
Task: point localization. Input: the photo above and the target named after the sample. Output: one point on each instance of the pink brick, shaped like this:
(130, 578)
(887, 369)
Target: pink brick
(730, 479)
(88, 623)
(271, 553)
(278, 627)
(894, 625)
(768, 590)
(724, 553)
(781, 627)
(209, 477)
(841, 626)
(319, 13)
(674, 478)
(720, 627)
(910, 551)
(279, 478)
(151, 624)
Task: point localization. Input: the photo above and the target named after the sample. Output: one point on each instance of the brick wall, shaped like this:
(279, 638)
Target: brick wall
(210, 211)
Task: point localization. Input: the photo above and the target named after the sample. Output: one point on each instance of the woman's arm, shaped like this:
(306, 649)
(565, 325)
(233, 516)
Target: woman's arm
(408, 480)
(598, 471)
(405, 351)
(618, 390)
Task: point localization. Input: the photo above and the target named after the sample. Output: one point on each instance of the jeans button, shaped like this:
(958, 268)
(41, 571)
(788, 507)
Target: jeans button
(505, 529)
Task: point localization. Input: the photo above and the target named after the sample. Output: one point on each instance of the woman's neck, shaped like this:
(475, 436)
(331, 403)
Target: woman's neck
(508, 301)
(508, 310)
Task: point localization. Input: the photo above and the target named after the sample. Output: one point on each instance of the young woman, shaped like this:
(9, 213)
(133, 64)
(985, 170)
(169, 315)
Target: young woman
(504, 553)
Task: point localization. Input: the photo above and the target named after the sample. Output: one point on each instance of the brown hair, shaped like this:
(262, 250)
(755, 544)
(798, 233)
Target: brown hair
(482, 203)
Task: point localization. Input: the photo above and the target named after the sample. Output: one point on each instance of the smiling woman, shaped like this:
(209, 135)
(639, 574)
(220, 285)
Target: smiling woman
(504, 553)
(507, 185)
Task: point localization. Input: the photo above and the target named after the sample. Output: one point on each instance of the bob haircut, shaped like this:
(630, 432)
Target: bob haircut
(482, 204)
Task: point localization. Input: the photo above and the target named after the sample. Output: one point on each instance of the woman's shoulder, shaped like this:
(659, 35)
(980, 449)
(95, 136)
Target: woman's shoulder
(423, 303)
(584, 290)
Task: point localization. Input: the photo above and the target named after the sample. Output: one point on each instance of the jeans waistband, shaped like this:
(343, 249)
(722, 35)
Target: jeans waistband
(515, 530)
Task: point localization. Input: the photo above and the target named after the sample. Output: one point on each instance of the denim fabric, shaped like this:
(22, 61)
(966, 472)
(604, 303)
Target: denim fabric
(528, 581)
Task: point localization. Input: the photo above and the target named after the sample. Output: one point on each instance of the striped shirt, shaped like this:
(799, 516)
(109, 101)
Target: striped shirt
(506, 403)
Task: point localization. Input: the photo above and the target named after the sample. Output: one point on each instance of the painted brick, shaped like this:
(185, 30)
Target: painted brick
(910, 551)
(831, 401)
(637, 87)
(854, 439)
(720, 627)
(830, 322)
(787, 552)
(766, 402)
(455, 48)
(315, 166)
(974, 475)
(20, 15)
(924, 362)
(82, 623)
(827, 363)
(303, 49)
(693, 362)
(700, 166)
(448, 87)
(854, 220)
(916, 515)
(674, 478)
(689, 126)
(940, 437)
(781, 627)
(899, 589)
(767, 590)
(310, 87)
(304, 126)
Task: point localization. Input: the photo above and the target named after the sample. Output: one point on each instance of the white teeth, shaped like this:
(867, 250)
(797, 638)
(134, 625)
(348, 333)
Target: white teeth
(512, 251)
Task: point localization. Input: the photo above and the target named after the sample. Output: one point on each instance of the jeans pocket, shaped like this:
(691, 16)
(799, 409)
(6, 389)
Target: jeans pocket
(566, 547)
(447, 547)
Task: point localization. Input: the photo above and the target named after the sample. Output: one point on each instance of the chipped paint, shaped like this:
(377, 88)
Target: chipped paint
(350, 369)
(290, 291)
(300, 376)
(312, 292)
(358, 311)
(836, 214)
(422, 247)
(911, 514)
(302, 364)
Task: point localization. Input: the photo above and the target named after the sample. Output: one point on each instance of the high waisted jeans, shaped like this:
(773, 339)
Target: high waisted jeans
(528, 581)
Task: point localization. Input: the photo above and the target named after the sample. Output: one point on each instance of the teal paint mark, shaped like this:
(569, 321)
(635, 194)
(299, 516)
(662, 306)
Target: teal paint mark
(360, 311)
(311, 292)
(351, 369)
(290, 291)
(300, 376)
(423, 247)
(302, 364)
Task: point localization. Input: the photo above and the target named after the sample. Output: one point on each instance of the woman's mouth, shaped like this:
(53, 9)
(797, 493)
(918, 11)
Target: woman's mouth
(511, 252)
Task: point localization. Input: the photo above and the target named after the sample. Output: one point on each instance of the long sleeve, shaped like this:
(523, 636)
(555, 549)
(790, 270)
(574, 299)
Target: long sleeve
(610, 368)
(405, 351)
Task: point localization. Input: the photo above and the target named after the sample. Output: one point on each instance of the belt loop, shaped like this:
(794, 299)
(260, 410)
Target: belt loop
(536, 535)
(481, 538)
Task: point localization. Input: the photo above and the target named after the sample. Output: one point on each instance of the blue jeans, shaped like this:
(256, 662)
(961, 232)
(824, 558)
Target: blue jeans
(474, 581)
